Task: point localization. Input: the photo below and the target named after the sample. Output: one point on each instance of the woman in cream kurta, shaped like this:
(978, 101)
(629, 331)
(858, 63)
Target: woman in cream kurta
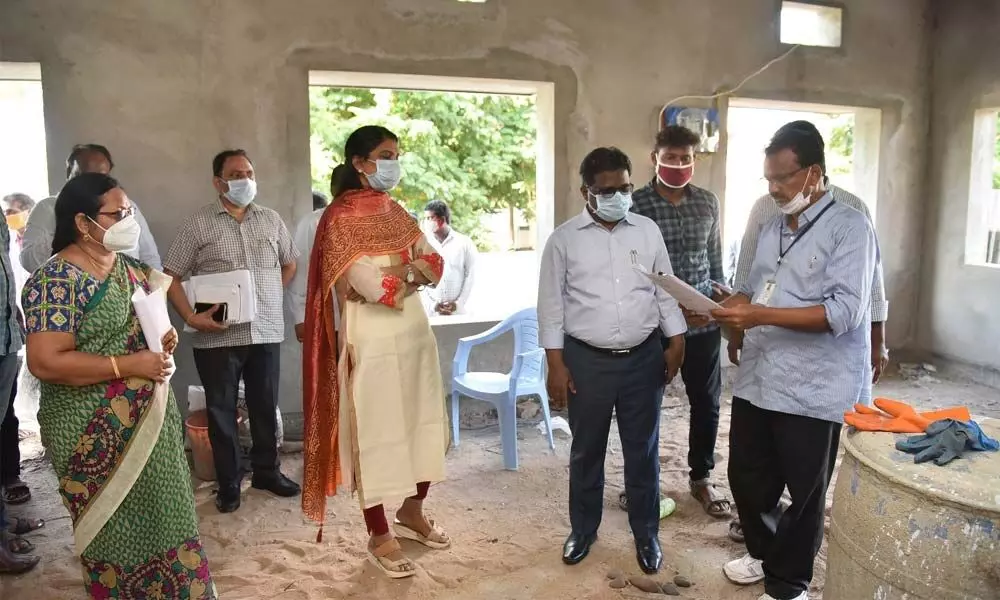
(375, 415)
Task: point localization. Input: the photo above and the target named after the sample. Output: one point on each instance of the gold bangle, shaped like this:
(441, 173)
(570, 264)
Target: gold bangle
(114, 365)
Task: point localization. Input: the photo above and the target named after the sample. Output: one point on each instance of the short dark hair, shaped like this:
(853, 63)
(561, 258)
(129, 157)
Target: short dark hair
(82, 194)
(677, 136)
(80, 149)
(219, 162)
(804, 140)
(602, 160)
(439, 208)
(319, 200)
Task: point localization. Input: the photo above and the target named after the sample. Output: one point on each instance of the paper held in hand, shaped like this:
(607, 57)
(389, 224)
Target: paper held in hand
(684, 294)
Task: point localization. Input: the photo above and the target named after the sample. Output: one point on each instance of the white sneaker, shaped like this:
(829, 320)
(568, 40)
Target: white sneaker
(745, 571)
(802, 596)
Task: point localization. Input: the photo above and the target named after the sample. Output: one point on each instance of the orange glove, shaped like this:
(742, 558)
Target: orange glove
(902, 418)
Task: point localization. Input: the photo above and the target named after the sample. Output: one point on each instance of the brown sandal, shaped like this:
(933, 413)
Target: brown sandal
(394, 569)
(714, 503)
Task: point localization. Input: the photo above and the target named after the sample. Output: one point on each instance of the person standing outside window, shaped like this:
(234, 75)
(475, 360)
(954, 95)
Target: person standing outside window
(451, 295)
(233, 233)
(689, 219)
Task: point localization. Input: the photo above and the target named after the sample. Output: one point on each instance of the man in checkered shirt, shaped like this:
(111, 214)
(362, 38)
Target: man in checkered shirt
(229, 234)
(688, 217)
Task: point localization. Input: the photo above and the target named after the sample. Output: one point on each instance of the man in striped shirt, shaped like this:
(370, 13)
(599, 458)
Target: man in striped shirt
(804, 312)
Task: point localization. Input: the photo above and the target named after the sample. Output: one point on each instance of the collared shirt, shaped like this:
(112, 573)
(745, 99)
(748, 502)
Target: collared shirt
(459, 254)
(817, 375)
(12, 328)
(213, 241)
(305, 235)
(589, 288)
(765, 210)
(691, 232)
(36, 248)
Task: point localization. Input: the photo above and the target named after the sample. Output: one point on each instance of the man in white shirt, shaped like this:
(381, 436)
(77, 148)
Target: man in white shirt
(600, 322)
(36, 247)
(305, 233)
(451, 295)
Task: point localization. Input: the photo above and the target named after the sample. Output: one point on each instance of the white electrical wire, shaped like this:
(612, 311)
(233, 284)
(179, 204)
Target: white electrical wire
(735, 89)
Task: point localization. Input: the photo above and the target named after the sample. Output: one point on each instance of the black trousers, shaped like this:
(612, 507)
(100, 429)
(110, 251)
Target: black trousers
(702, 375)
(630, 386)
(769, 451)
(10, 449)
(220, 370)
(9, 366)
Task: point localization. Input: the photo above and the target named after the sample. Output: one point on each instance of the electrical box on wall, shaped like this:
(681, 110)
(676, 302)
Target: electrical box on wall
(703, 121)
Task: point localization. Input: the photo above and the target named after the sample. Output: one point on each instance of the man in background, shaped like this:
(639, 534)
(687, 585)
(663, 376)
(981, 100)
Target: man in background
(451, 295)
(305, 233)
(232, 233)
(41, 226)
(16, 208)
(689, 220)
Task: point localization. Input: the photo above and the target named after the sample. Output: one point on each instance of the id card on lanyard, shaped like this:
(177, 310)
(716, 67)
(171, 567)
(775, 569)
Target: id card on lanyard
(771, 285)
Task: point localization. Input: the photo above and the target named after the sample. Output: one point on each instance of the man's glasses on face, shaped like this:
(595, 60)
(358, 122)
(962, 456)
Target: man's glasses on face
(611, 191)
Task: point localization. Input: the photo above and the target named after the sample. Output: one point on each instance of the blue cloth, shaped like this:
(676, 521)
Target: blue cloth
(978, 440)
(818, 375)
(589, 288)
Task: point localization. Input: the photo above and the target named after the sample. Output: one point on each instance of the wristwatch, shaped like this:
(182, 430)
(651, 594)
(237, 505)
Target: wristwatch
(411, 276)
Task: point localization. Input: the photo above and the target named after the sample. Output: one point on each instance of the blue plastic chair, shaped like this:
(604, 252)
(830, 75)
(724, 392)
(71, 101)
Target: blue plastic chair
(527, 376)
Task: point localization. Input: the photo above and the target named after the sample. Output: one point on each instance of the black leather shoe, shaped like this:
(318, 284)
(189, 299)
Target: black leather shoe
(577, 547)
(276, 483)
(649, 555)
(227, 499)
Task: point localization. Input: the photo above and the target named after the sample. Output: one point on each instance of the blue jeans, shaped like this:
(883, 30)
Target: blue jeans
(8, 377)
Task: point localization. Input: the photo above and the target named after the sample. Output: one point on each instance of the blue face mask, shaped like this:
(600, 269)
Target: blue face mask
(612, 208)
(387, 175)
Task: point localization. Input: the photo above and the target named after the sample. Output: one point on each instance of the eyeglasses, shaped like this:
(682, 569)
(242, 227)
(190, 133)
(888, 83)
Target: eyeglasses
(783, 179)
(609, 191)
(119, 214)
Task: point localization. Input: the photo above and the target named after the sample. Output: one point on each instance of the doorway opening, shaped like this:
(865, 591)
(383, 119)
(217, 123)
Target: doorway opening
(22, 119)
(484, 147)
(852, 138)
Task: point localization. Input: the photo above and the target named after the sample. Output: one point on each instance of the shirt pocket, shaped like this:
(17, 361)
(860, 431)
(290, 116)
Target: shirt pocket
(264, 254)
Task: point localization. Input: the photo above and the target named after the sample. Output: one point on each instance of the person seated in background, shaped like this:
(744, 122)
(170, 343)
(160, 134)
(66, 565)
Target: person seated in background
(37, 239)
(305, 233)
(600, 322)
(451, 295)
(805, 310)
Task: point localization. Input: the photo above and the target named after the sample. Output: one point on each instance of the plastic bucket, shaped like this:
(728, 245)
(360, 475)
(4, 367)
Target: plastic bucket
(201, 448)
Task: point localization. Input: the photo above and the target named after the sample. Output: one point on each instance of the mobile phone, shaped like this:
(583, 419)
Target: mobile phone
(220, 315)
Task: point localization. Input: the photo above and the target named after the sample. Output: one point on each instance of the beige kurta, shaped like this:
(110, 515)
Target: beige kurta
(393, 423)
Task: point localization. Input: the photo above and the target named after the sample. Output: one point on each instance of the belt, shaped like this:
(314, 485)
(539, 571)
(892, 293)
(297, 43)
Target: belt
(615, 351)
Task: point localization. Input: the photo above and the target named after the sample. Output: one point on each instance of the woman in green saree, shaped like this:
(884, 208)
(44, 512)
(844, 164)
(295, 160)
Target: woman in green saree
(107, 416)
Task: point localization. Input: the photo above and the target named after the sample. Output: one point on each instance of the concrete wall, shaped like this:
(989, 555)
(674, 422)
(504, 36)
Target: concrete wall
(958, 301)
(167, 84)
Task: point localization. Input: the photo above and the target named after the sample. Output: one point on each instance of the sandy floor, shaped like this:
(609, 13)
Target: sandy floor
(508, 527)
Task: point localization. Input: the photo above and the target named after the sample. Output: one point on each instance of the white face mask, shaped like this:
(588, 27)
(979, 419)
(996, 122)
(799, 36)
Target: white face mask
(123, 236)
(613, 208)
(387, 175)
(798, 203)
(241, 191)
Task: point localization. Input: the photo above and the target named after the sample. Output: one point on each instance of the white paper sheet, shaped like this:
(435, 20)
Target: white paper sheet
(239, 282)
(684, 294)
(153, 317)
